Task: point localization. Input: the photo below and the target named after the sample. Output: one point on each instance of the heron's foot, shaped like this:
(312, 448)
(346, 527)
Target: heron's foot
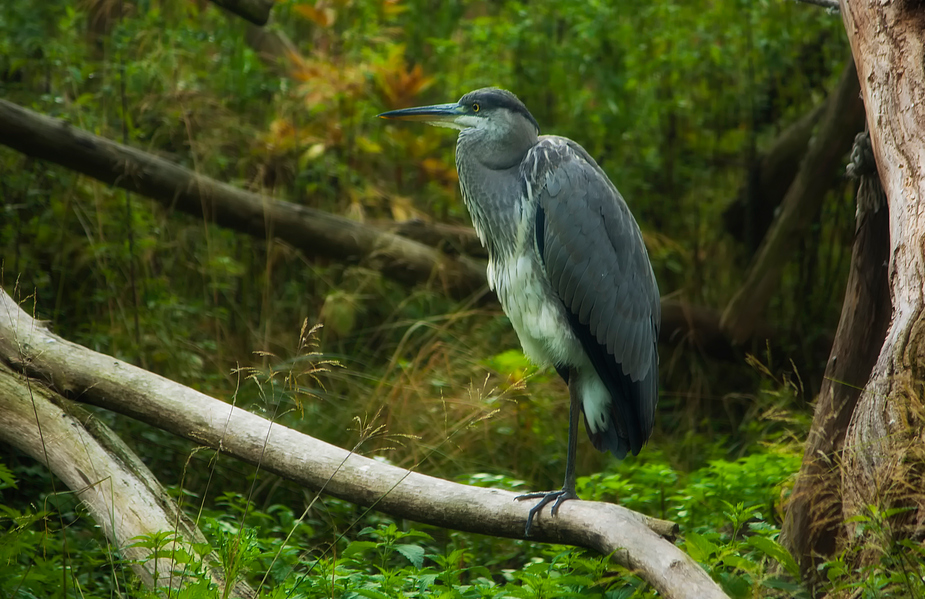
(545, 498)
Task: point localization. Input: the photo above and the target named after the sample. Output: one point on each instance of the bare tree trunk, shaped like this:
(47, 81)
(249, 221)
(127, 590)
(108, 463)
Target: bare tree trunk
(814, 520)
(884, 463)
(26, 346)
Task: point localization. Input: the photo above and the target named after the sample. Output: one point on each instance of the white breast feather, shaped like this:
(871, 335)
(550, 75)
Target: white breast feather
(540, 322)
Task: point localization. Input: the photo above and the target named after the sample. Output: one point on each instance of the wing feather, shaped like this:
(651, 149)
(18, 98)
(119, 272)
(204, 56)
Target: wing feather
(596, 262)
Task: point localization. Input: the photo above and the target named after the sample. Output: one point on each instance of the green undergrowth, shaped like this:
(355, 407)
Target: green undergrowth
(727, 511)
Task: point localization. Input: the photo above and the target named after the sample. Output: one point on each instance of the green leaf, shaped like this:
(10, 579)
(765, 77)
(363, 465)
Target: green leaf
(739, 562)
(201, 589)
(793, 589)
(7, 480)
(735, 586)
(858, 518)
(775, 550)
(418, 534)
(699, 547)
(414, 554)
(358, 547)
(889, 513)
(575, 580)
(512, 363)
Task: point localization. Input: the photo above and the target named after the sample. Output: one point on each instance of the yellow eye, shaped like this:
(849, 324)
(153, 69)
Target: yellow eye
(475, 107)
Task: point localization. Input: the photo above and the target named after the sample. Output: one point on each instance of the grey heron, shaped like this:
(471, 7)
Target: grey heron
(568, 263)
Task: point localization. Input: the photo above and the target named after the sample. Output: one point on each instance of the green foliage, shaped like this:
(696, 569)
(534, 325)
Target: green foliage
(900, 569)
(672, 98)
(42, 556)
(727, 511)
(285, 555)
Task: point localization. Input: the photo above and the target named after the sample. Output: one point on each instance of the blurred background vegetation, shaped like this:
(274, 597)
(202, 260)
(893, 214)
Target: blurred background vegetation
(676, 101)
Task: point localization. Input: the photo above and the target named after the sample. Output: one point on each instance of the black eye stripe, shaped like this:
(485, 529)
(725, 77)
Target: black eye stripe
(492, 99)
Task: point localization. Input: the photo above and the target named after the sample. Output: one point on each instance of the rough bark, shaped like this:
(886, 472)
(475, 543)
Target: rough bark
(884, 462)
(119, 491)
(314, 232)
(25, 345)
(814, 519)
(798, 209)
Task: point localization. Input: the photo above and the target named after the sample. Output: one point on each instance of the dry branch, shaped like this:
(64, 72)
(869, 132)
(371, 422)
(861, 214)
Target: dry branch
(802, 202)
(312, 231)
(452, 239)
(119, 491)
(101, 380)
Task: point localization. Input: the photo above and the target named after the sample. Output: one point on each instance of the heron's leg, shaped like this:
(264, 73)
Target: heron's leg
(568, 489)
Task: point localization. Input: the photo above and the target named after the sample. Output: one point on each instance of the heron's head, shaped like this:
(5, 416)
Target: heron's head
(495, 111)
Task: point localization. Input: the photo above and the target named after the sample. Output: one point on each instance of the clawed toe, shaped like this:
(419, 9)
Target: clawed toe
(545, 498)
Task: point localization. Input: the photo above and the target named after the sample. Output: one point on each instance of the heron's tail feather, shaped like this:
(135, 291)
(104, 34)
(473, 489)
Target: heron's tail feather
(609, 439)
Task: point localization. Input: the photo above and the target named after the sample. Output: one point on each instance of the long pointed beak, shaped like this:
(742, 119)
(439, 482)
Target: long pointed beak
(437, 114)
